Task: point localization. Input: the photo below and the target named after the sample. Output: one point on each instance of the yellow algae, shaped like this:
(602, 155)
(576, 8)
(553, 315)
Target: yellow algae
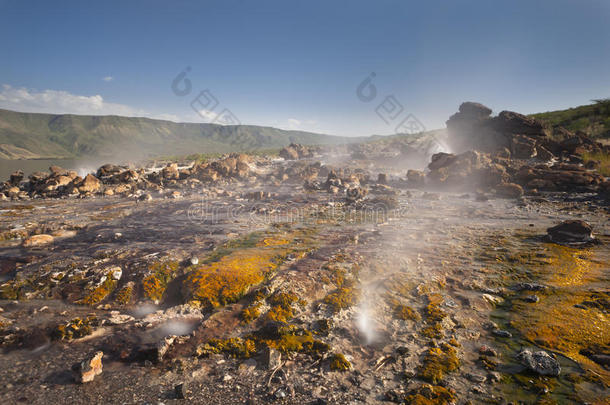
(162, 273)
(123, 296)
(342, 298)
(229, 276)
(266, 242)
(433, 309)
(250, 313)
(338, 362)
(404, 312)
(288, 338)
(282, 306)
(437, 362)
(74, 329)
(228, 279)
(234, 347)
(430, 395)
(560, 322)
(99, 293)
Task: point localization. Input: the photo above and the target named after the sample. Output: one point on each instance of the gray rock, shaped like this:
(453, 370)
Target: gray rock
(502, 333)
(476, 378)
(529, 287)
(540, 362)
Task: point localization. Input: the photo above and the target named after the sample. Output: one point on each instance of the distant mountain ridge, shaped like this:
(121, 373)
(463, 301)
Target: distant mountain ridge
(37, 135)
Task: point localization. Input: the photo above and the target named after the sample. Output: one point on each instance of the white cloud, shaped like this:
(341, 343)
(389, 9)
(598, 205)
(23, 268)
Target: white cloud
(295, 124)
(108, 78)
(206, 115)
(63, 102)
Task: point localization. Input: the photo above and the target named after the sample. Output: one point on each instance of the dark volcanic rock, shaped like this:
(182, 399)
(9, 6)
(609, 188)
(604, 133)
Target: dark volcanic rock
(573, 231)
(509, 122)
(475, 109)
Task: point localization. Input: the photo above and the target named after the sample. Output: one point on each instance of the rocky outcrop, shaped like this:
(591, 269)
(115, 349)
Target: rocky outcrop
(558, 177)
(296, 151)
(468, 170)
(525, 137)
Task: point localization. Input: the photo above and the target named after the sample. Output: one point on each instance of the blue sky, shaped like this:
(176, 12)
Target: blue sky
(297, 64)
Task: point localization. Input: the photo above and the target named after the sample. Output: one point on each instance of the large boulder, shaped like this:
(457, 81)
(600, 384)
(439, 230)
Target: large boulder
(16, 178)
(540, 362)
(108, 170)
(476, 110)
(469, 129)
(90, 184)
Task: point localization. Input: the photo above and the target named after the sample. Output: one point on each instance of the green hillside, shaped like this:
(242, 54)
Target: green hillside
(593, 119)
(31, 135)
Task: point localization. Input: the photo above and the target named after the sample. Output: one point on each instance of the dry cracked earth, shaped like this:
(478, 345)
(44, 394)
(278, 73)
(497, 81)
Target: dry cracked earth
(296, 296)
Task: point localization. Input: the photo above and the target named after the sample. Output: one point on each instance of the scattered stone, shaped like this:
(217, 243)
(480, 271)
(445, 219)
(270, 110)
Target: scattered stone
(145, 197)
(116, 318)
(273, 358)
(502, 333)
(531, 298)
(89, 368)
(540, 362)
(572, 231)
(494, 377)
(476, 378)
(38, 240)
(493, 299)
(529, 287)
(487, 351)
